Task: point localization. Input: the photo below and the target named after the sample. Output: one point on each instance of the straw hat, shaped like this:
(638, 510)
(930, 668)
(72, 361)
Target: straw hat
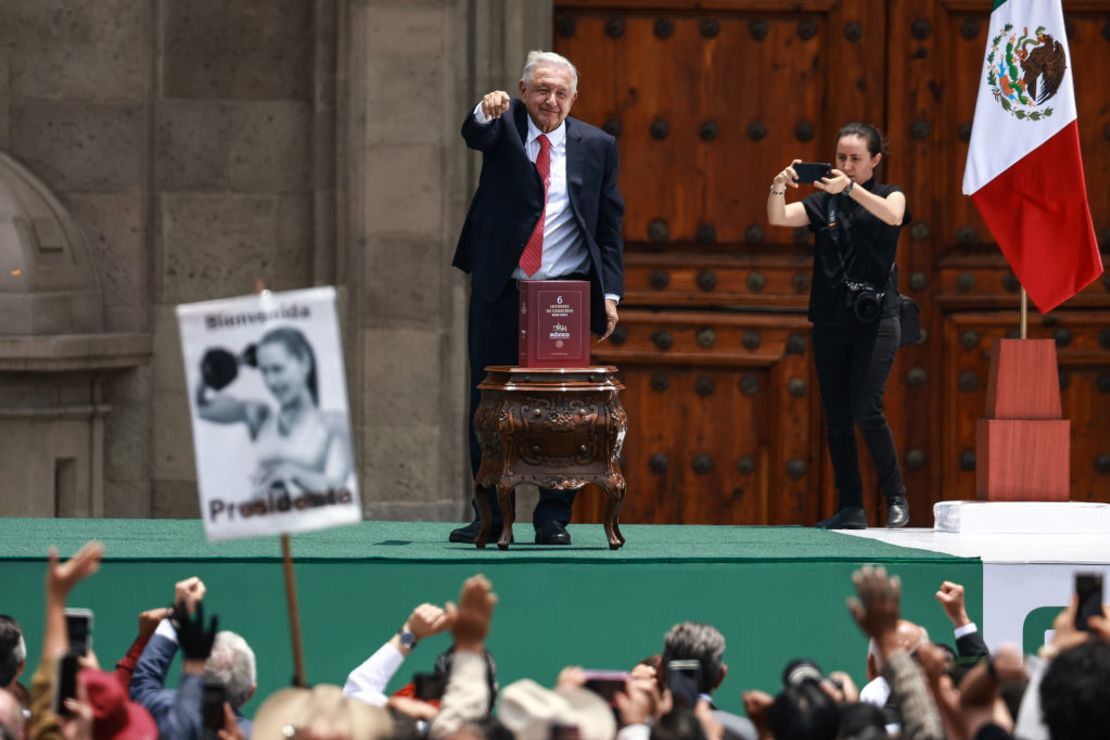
(529, 711)
(325, 710)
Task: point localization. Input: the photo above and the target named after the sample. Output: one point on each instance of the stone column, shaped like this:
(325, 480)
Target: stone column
(408, 72)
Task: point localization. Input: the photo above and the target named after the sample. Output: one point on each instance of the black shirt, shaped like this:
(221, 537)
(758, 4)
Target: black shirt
(852, 243)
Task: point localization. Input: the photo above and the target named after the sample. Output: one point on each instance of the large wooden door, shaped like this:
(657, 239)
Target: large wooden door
(954, 268)
(708, 100)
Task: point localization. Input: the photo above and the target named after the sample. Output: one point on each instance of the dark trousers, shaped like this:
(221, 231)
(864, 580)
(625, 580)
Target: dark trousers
(493, 340)
(852, 368)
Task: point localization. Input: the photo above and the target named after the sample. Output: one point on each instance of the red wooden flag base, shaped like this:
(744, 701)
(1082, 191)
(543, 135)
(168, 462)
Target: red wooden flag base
(1023, 444)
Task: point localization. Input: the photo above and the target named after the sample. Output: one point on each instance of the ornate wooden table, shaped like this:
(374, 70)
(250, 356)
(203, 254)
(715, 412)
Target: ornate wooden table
(558, 428)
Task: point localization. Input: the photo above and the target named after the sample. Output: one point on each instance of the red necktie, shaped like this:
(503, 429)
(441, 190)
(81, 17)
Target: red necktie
(532, 256)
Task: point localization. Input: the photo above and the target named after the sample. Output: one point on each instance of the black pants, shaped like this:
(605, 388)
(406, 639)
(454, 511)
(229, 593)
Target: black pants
(852, 368)
(493, 340)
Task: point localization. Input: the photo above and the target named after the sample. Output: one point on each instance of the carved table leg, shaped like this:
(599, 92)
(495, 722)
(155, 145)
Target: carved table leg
(615, 497)
(505, 501)
(618, 502)
(484, 516)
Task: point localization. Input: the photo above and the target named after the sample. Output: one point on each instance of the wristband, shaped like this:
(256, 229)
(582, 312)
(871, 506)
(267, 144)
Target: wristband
(851, 186)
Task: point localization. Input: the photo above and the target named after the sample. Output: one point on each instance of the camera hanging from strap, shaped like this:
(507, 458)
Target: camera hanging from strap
(861, 297)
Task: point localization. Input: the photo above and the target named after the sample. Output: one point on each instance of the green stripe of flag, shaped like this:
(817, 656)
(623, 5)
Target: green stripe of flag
(998, 4)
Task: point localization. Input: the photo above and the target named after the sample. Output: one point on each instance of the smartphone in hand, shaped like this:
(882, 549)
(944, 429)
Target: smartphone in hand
(606, 684)
(684, 680)
(212, 708)
(66, 686)
(1088, 591)
(811, 172)
(79, 628)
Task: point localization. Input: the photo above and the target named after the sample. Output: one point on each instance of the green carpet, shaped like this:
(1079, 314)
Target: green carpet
(177, 539)
(775, 593)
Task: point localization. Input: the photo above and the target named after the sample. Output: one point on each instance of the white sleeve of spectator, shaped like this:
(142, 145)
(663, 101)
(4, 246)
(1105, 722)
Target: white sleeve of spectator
(634, 732)
(467, 696)
(165, 629)
(968, 629)
(367, 682)
(480, 115)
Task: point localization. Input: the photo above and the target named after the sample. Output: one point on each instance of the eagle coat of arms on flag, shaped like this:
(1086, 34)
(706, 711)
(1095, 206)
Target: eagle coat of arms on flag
(1025, 73)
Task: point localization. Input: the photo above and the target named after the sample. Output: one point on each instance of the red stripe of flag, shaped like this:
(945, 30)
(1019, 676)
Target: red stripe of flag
(1037, 211)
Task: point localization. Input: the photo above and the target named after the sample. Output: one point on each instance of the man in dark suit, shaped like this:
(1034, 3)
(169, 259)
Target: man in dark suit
(547, 208)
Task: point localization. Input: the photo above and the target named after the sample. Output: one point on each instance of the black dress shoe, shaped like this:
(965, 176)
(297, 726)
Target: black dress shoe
(469, 533)
(849, 517)
(552, 533)
(897, 512)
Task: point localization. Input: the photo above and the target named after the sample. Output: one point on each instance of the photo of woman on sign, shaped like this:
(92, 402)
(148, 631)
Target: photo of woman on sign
(300, 448)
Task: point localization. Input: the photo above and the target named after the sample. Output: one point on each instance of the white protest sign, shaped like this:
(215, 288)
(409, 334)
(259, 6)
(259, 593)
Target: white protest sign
(271, 430)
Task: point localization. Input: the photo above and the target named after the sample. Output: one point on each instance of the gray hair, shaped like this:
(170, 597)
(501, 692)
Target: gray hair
(13, 650)
(548, 59)
(696, 641)
(231, 663)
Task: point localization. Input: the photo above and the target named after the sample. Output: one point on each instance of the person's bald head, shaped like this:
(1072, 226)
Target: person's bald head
(910, 637)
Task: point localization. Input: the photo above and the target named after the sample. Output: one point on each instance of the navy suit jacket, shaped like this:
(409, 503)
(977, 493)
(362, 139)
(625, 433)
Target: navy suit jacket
(510, 198)
(176, 711)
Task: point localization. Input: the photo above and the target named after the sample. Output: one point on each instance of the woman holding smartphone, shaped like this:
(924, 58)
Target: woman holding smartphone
(854, 308)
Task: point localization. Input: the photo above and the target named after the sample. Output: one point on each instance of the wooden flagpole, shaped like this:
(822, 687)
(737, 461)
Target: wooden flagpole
(290, 582)
(1024, 313)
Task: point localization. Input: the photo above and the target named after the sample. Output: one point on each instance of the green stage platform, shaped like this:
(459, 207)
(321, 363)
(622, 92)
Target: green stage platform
(775, 592)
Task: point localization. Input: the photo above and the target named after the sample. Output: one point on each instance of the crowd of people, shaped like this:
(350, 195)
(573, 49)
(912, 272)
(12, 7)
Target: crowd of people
(917, 689)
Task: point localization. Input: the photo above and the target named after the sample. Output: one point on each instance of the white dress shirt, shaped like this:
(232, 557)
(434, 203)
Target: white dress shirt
(367, 682)
(564, 248)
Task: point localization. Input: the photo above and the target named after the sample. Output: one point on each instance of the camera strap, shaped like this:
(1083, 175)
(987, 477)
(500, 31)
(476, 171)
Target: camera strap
(841, 237)
(838, 232)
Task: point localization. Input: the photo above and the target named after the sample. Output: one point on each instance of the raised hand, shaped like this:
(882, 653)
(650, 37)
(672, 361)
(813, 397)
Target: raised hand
(877, 608)
(951, 597)
(196, 640)
(787, 177)
(189, 592)
(470, 620)
(834, 184)
(495, 103)
(62, 577)
(571, 677)
(427, 620)
(1100, 626)
(640, 701)
(1065, 635)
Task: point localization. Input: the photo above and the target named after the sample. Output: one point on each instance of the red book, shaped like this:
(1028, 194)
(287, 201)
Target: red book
(554, 323)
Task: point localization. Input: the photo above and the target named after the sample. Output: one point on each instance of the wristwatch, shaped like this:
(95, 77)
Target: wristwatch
(408, 639)
(851, 186)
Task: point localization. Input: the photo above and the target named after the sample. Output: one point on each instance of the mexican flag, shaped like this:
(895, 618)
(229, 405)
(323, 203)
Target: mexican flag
(1024, 170)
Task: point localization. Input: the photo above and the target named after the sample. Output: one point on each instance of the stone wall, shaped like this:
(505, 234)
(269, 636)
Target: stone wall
(204, 144)
(75, 108)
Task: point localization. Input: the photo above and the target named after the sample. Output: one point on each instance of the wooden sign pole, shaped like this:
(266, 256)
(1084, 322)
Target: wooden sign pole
(294, 612)
(290, 582)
